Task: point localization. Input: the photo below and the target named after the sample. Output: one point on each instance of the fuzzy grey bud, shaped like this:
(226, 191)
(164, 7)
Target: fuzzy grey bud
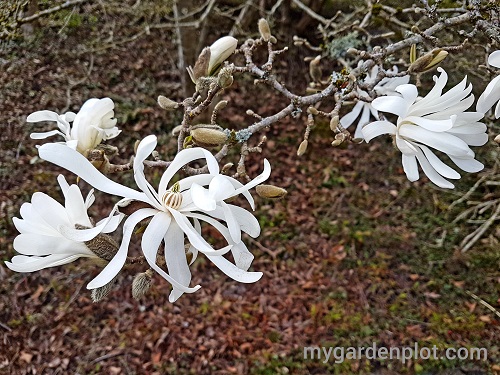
(334, 123)
(265, 30)
(208, 137)
(141, 284)
(221, 105)
(302, 148)
(270, 191)
(167, 103)
(98, 294)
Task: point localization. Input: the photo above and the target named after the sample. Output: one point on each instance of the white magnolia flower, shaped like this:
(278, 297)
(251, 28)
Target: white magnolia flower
(220, 50)
(386, 86)
(491, 94)
(41, 240)
(438, 121)
(171, 207)
(93, 124)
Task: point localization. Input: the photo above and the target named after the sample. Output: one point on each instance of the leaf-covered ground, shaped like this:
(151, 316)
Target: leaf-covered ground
(355, 254)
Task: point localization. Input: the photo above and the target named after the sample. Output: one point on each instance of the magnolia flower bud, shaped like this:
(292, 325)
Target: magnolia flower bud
(220, 51)
(166, 103)
(176, 131)
(334, 123)
(270, 191)
(221, 105)
(497, 139)
(312, 111)
(337, 142)
(428, 61)
(264, 29)
(141, 284)
(100, 293)
(208, 137)
(315, 69)
(302, 148)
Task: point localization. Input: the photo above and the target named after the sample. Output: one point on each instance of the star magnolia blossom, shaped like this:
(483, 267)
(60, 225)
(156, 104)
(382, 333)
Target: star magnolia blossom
(41, 241)
(386, 86)
(438, 121)
(170, 210)
(491, 94)
(93, 124)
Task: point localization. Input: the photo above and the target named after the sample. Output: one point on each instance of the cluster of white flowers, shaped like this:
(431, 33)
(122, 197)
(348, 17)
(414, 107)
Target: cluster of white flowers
(439, 121)
(52, 234)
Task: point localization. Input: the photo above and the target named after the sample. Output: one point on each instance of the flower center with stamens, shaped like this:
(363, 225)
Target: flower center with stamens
(172, 197)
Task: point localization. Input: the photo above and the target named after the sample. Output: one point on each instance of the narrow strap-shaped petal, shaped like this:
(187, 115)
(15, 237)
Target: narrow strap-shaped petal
(232, 223)
(183, 158)
(432, 125)
(73, 161)
(175, 257)
(467, 165)
(44, 135)
(234, 272)
(440, 167)
(433, 175)
(376, 128)
(145, 148)
(410, 167)
(50, 210)
(116, 264)
(494, 59)
(151, 240)
(43, 116)
(75, 207)
(39, 244)
(348, 119)
(256, 181)
(82, 235)
(21, 263)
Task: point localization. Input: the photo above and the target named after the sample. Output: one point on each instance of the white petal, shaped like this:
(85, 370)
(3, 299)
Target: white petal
(175, 257)
(43, 116)
(392, 104)
(432, 125)
(201, 198)
(349, 118)
(440, 167)
(234, 272)
(410, 167)
(151, 240)
(220, 188)
(232, 223)
(38, 244)
(376, 128)
(490, 95)
(73, 161)
(50, 210)
(467, 165)
(443, 142)
(116, 264)
(432, 173)
(184, 157)
(256, 181)
(145, 148)
(75, 207)
(44, 135)
(21, 263)
(494, 59)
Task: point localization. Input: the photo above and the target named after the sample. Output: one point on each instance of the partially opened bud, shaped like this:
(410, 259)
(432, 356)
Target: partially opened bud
(302, 148)
(220, 51)
(201, 67)
(428, 61)
(270, 191)
(167, 103)
(208, 137)
(264, 29)
(141, 284)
